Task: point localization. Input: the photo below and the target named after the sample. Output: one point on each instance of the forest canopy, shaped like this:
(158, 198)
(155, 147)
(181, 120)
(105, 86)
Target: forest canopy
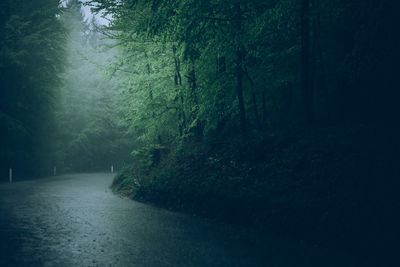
(190, 68)
(32, 56)
(284, 110)
(164, 71)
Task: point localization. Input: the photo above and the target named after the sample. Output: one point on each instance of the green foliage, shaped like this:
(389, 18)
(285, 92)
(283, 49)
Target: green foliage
(147, 156)
(31, 60)
(180, 67)
(235, 89)
(174, 88)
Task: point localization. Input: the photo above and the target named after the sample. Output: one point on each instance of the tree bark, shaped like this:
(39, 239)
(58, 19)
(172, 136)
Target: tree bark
(178, 77)
(178, 82)
(253, 98)
(193, 83)
(221, 65)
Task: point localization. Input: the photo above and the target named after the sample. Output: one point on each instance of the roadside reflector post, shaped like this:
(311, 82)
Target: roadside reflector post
(10, 175)
(112, 168)
(55, 171)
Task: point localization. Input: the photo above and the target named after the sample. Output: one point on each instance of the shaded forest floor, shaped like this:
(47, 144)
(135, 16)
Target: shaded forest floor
(334, 188)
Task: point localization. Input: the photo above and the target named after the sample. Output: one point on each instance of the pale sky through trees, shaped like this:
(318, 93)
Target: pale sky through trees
(88, 14)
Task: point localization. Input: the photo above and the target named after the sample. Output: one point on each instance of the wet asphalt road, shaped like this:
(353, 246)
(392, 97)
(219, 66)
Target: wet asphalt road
(75, 220)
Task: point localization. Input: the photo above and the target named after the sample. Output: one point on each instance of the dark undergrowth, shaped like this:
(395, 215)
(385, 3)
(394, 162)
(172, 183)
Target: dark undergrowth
(331, 187)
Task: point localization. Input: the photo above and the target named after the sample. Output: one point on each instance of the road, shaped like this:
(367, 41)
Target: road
(75, 220)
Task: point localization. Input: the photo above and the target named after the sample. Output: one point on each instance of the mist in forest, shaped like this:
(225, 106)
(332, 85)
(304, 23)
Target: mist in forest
(90, 133)
(65, 113)
(276, 115)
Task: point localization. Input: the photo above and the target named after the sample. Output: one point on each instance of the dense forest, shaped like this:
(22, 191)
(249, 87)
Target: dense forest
(276, 114)
(32, 58)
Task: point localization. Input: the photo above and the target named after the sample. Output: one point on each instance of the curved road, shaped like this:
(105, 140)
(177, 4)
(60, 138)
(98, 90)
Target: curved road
(75, 220)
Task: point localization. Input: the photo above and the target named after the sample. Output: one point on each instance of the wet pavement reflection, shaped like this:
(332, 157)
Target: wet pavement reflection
(75, 220)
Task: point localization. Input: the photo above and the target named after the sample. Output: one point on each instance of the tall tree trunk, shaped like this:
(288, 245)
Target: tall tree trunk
(221, 65)
(255, 108)
(307, 94)
(178, 77)
(193, 84)
(178, 82)
(192, 80)
(253, 98)
(153, 114)
(183, 111)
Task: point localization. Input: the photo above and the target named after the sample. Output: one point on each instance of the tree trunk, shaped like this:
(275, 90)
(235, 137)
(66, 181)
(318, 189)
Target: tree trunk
(197, 130)
(193, 84)
(178, 77)
(253, 98)
(255, 108)
(221, 65)
(178, 82)
(183, 111)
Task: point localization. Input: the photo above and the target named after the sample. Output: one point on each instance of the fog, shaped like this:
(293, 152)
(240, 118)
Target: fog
(89, 137)
(276, 117)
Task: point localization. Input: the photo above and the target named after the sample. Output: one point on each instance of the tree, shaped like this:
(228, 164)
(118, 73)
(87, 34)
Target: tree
(32, 56)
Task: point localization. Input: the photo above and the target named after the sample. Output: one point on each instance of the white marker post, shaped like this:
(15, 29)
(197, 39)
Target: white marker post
(10, 175)
(112, 168)
(55, 171)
